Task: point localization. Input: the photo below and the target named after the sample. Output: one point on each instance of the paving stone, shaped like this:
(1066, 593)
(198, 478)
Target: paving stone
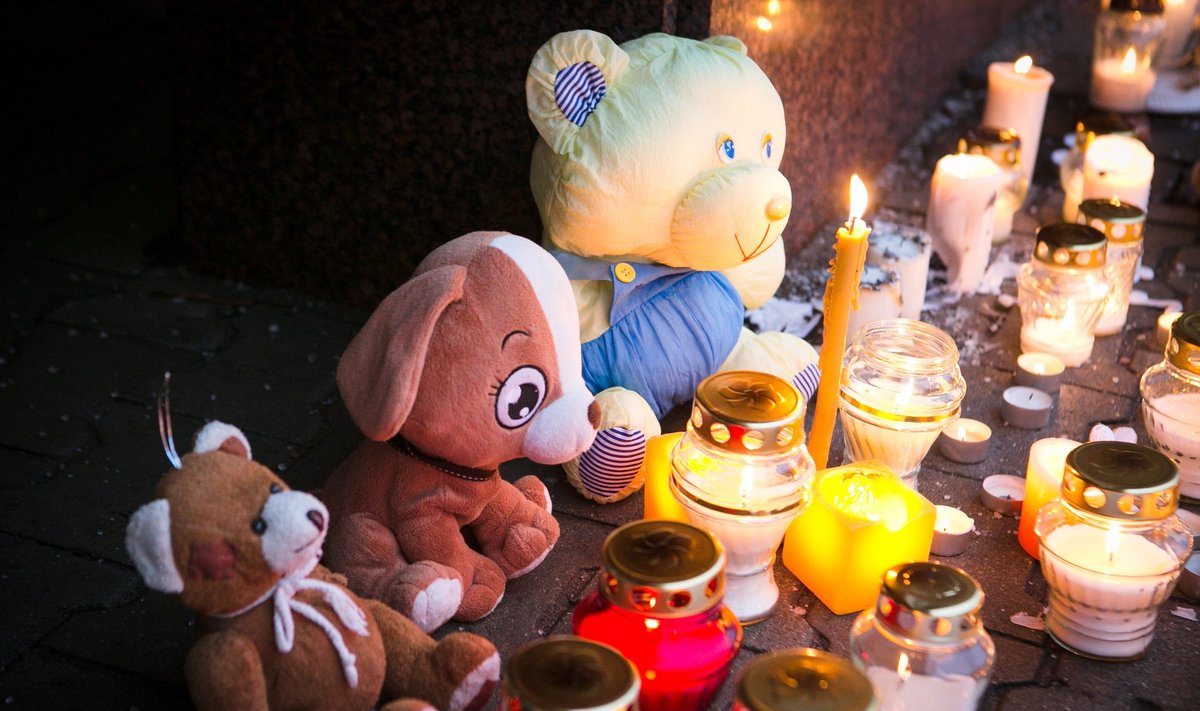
(1017, 662)
(1079, 409)
(177, 323)
(31, 287)
(45, 680)
(1172, 214)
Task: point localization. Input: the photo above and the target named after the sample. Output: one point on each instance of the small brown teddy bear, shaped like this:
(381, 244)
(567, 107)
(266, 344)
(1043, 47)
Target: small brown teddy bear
(277, 629)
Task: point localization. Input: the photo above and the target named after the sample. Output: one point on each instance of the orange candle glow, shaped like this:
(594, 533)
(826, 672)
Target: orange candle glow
(841, 294)
(656, 470)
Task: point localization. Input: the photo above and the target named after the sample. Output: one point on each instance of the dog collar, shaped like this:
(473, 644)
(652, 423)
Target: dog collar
(408, 449)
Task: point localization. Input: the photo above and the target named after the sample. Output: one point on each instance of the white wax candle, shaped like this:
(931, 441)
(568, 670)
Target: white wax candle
(1072, 187)
(962, 200)
(904, 250)
(1061, 338)
(922, 692)
(1105, 588)
(1179, 15)
(900, 445)
(1121, 85)
(1018, 100)
(1173, 423)
(1120, 167)
(879, 297)
(1165, 321)
(1043, 482)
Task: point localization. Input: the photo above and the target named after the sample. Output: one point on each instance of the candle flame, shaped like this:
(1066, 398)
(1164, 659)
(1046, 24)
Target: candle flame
(1129, 63)
(1023, 65)
(1112, 542)
(858, 198)
(773, 7)
(1039, 369)
(764, 25)
(903, 669)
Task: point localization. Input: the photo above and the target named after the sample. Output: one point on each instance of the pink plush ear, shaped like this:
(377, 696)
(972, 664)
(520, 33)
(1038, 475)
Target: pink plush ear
(379, 373)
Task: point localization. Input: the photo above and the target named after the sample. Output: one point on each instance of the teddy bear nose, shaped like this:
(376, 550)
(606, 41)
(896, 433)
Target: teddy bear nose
(317, 518)
(594, 414)
(779, 208)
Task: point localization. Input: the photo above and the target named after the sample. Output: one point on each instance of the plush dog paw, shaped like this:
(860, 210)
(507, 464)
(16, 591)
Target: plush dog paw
(471, 665)
(406, 705)
(610, 469)
(807, 380)
(533, 489)
(436, 603)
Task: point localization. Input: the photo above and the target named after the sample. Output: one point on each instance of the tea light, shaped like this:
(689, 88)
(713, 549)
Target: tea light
(966, 441)
(1043, 479)
(1026, 408)
(904, 250)
(879, 297)
(1118, 166)
(1165, 321)
(1003, 493)
(951, 531)
(1189, 581)
(1042, 371)
(962, 203)
(1016, 99)
(1122, 84)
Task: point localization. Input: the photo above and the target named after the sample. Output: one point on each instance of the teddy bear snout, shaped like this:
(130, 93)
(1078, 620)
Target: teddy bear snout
(779, 208)
(289, 541)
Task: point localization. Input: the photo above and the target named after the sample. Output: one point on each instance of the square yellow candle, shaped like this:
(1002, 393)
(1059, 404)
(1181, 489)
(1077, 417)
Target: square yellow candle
(656, 470)
(862, 521)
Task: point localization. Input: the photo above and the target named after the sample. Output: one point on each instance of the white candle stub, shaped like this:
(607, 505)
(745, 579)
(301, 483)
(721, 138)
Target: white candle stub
(905, 250)
(966, 441)
(1026, 408)
(1042, 371)
(1165, 321)
(1117, 166)
(962, 200)
(951, 531)
(1003, 493)
(879, 297)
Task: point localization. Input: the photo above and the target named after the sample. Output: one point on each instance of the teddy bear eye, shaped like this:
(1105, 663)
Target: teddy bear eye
(259, 526)
(725, 148)
(768, 144)
(275, 488)
(519, 396)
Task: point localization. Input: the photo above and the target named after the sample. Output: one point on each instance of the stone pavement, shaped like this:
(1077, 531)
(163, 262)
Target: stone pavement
(92, 317)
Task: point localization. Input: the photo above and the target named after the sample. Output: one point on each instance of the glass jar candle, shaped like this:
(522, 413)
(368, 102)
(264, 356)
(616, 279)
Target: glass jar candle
(742, 473)
(568, 674)
(803, 680)
(660, 604)
(901, 386)
(923, 645)
(1070, 173)
(1128, 34)
(1111, 548)
(1003, 146)
(1122, 225)
(1171, 402)
(1061, 292)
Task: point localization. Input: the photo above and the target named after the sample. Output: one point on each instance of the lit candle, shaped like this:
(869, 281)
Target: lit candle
(1165, 320)
(1003, 493)
(1016, 99)
(1040, 370)
(1043, 479)
(862, 521)
(1118, 167)
(1170, 394)
(841, 294)
(658, 502)
(1122, 84)
(1179, 14)
(904, 250)
(879, 297)
(966, 441)
(951, 531)
(962, 200)
(1122, 224)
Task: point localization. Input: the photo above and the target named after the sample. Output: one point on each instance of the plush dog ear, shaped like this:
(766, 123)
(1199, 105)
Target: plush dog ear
(567, 79)
(220, 436)
(148, 540)
(380, 371)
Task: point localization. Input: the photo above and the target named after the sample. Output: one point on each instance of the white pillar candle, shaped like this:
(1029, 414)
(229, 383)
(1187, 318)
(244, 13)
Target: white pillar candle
(904, 250)
(1165, 321)
(922, 692)
(1120, 167)
(879, 297)
(1173, 423)
(1122, 84)
(1016, 99)
(1179, 14)
(962, 200)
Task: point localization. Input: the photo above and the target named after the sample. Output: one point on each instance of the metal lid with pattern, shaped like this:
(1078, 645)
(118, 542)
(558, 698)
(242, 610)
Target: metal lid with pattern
(747, 412)
(1101, 124)
(1120, 221)
(1121, 480)
(1062, 244)
(803, 680)
(568, 673)
(662, 569)
(1183, 347)
(1002, 145)
(1147, 7)
(930, 603)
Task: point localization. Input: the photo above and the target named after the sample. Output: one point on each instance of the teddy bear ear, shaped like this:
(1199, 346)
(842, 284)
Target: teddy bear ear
(148, 540)
(567, 79)
(728, 42)
(220, 436)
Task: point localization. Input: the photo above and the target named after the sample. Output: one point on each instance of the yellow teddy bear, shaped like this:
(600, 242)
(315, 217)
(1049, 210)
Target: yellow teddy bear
(657, 178)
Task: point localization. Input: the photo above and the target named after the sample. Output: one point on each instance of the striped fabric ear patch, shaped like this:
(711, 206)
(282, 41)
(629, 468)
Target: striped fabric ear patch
(578, 89)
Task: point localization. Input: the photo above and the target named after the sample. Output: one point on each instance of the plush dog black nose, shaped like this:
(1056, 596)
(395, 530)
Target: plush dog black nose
(594, 414)
(317, 518)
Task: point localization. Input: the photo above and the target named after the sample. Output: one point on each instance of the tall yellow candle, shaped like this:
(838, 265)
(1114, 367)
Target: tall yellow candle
(841, 294)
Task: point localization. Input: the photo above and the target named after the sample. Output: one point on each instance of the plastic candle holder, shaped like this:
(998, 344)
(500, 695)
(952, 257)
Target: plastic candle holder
(568, 674)
(1128, 34)
(1171, 402)
(1111, 548)
(1122, 224)
(803, 679)
(862, 521)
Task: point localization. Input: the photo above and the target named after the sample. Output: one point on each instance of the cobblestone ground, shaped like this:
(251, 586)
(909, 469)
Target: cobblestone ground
(89, 323)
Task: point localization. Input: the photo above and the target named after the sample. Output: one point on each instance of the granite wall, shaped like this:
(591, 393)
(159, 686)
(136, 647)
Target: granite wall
(327, 146)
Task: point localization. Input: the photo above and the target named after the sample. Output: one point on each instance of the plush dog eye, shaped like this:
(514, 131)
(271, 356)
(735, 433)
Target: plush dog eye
(258, 525)
(768, 144)
(275, 488)
(725, 148)
(520, 396)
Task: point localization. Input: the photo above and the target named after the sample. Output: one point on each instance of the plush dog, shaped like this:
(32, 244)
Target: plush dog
(277, 629)
(657, 178)
(473, 362)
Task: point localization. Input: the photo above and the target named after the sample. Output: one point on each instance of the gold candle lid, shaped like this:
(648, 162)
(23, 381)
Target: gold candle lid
(930, 603)
(1119, 221)
(1183, 347)
(803, 680)
(1002, 145)
(1121, 480)
(1065, 245)
(1101, 124)
(747, 412)
(662, 569)
(570, 674)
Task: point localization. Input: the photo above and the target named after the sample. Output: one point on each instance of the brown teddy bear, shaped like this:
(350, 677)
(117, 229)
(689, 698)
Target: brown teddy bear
(277, 629)
(473, 362)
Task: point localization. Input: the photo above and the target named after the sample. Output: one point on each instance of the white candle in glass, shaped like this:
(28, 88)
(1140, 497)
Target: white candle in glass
(904, 250)
(1173, 424)
(1122, 84)
(1062, 338)
(1120, 167)
(921, 692)
(1179, 15)
(1105, 588)
(1016, 99)
(960, 221)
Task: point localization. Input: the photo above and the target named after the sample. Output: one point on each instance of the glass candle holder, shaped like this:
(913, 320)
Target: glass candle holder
(923, 642)
(1003, 146)
(660, 604)
(1128, 34)
(1122, 225)
(1061, 292)
(1070, 173)
(1171, 402)
(1111, 548)
(742, 472)
(901, 386)
(568, 674)
(799, 679)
